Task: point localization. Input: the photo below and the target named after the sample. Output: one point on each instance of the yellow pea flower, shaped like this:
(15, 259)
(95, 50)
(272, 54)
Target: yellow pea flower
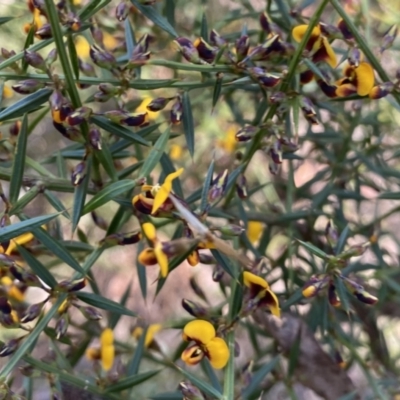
(207, 344)
(260, 290)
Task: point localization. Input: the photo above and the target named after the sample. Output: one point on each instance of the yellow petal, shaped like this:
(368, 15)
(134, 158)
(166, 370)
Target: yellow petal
(199, 330)
(273, 303)
(107, 350)
(330, 54)
(365, 78)
(110, 42)
(165, 190)
(15, 293)
(107, 337)
(20, 240)
(254, 230)
(82, 47)
(7, 92)
(218, 352)
(345, 90)
(299, 31)
(150, 231)
(107, 357)
(250, 279)
(162, 259)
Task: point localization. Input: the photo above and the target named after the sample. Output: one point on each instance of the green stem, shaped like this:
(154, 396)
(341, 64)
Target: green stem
(190, 67)
(62, 53)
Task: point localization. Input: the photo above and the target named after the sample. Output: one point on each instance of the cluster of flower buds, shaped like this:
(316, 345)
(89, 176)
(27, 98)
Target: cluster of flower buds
(275, 147)
(326, 283)
(40, 24)
(140, 54)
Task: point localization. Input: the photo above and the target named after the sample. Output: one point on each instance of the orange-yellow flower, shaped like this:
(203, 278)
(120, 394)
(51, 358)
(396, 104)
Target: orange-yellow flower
(261, 292)
(207, 344)
(151, 256)
(155, 197)
(357, 79)
(318, 45)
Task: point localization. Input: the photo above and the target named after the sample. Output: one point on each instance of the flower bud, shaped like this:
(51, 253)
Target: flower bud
(101, 97)
(218, 186)
(51, 57)
(99, 221)
(264, 78)
(5, 306)
(90, 313)
(15, 128)
(72, 285)
(188, 51)
(73, 22)
(108, 88)
(332, 296)
(32, 312)
(216, 39)
(138, 59)
(97, 34)
(121, 239)
(190, 392)
(44, 32)
(330, 31)
(231, 230)
(354, 57)
(28, 86)
(24, 276)
(7, 261)
(206, 258)
(35, 60)
(265, 22)
(242, 46)
(86, 68)
(176, 113)
(79, 116)
(277, 97)
(308, 110)
(275, 151)
(6, 54)
(70, 132)
(136, 119)
(122, 10)
(194, 309)
(365, 297)
(95, 138)
(205, 50)
(241, 187)
(102, 58)
(388, 38)
(315, 285)
(331, 234)
(246, 133)
(9, 348)
(218, 273)
(344, 29)
(79, 173)
(158, 104)
(62, 326)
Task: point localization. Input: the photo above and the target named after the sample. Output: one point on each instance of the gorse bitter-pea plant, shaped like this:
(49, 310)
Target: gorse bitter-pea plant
(245, 145)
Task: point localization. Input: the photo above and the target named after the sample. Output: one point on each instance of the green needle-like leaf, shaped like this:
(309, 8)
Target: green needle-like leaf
(19, 161)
